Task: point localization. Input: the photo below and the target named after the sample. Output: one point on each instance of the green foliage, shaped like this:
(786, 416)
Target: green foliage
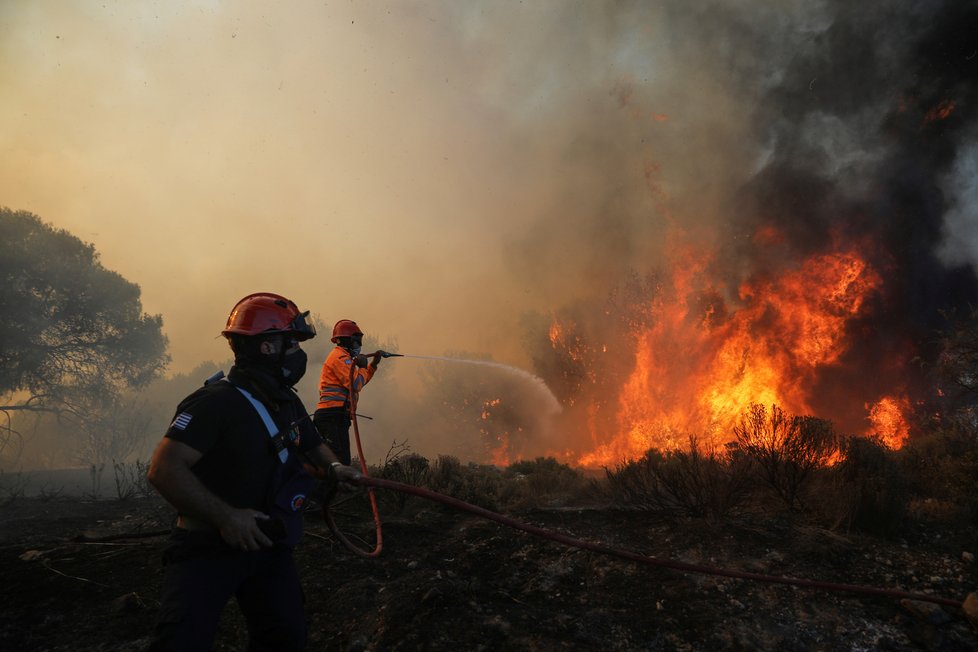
(785, 449)
(71, 331)
(680, 483)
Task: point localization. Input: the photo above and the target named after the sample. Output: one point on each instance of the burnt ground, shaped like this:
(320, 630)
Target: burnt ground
(84, 575)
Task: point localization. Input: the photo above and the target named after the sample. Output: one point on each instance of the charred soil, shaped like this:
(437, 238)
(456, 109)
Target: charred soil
(84, 575)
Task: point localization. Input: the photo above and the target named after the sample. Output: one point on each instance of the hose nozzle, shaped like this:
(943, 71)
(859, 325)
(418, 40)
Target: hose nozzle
(384, 354)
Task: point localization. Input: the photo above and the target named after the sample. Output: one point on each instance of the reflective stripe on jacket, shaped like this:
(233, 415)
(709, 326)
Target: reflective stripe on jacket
(334, 381)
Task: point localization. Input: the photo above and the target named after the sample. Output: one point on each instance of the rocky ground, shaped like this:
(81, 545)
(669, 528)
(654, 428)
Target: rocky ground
(84, 575)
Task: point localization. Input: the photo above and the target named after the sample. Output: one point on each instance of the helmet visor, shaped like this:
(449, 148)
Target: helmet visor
(303, 330)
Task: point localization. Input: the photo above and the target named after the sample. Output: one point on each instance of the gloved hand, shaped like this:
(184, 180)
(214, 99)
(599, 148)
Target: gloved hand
(362, 361)
(347, 476)
(346, 473)
(376, 359)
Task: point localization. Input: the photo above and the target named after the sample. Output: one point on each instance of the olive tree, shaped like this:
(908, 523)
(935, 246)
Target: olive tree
(73, 334)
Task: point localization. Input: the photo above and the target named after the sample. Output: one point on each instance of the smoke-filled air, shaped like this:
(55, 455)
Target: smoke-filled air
(592, 228)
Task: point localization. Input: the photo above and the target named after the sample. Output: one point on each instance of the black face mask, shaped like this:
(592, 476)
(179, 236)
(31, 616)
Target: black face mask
(294, 367)
(353, 345)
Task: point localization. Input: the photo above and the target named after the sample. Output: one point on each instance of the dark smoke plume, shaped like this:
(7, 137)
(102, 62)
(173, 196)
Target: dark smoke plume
(897, 83)
(862, 128)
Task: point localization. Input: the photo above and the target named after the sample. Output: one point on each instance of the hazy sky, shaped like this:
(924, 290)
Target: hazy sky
(430, 169)
(435, 169)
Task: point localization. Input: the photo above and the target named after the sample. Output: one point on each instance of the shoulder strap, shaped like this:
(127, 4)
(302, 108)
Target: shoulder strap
(283, 452)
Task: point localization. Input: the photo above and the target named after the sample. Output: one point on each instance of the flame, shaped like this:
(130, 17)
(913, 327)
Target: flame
(487, 408)
(889, 422)
(500, 450)
(563, 336)
(707, 358)
(500, 455)
(556, 334)
(940, 112)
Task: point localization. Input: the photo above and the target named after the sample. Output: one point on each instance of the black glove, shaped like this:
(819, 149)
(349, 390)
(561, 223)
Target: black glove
(362, 361)
(376, 360)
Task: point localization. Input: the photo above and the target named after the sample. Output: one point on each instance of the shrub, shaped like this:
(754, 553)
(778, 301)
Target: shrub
(478, 484)
(683, 482)
(786, 449)
(409, 469)
(941, 467)
(543, 482)
(867, 490)
(130, 479)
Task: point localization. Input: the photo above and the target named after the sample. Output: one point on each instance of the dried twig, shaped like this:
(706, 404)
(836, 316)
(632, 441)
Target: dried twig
(46, 563)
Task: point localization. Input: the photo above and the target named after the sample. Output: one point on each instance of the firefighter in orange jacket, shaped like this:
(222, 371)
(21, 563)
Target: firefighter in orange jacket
(340, 384)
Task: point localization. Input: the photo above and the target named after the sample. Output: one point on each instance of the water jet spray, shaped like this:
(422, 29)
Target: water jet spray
(554, 404)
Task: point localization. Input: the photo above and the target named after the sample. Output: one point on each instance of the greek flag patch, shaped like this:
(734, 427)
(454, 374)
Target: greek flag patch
(182, 421)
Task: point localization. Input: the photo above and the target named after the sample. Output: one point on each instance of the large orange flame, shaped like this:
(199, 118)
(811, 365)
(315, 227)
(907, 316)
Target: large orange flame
(702, 363)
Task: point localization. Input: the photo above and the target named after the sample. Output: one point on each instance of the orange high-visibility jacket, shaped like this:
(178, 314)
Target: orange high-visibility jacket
(334, 381)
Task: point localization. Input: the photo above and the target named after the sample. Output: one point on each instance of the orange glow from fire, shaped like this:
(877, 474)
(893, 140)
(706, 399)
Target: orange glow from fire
(940, 112)
(499, 452)
(889, 422)
(696, 373)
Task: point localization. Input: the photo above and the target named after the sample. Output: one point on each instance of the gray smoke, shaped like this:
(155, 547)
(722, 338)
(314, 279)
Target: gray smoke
(830, 122)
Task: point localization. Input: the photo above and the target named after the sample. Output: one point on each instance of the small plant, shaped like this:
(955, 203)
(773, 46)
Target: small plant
(405, 468)
(130, 479)
(46, 493)
(95, 482)
(13, 486)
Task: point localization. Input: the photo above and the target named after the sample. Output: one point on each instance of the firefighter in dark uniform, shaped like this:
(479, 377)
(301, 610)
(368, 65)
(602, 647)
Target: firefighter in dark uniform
(237, 462)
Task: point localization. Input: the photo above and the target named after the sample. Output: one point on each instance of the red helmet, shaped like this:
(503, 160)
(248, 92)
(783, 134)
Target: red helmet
(345, 328)
(265, 312)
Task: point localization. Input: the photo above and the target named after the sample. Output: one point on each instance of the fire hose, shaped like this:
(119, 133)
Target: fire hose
(378, 530)
(370, 483)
